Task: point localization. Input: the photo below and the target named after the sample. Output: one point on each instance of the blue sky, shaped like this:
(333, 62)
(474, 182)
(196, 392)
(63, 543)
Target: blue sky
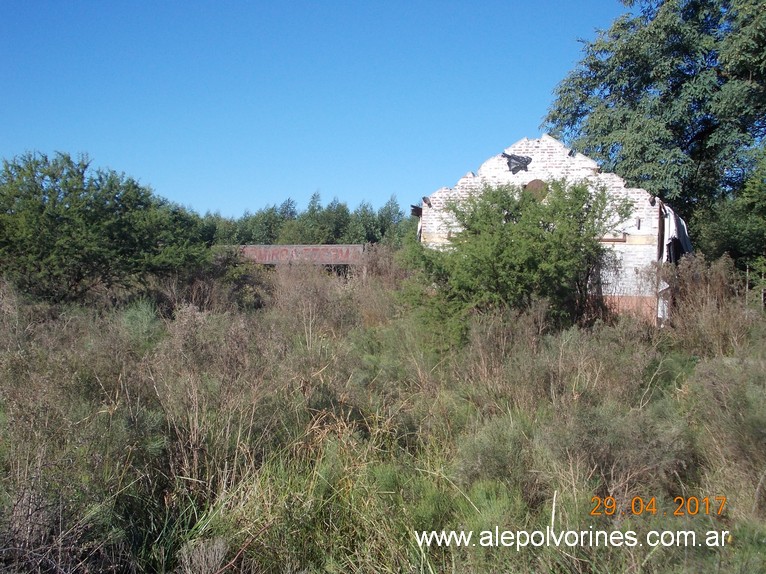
(231, 106)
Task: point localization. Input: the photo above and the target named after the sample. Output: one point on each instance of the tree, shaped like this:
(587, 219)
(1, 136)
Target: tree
(513, 249)
(65, 228)
(262, 227)
(219, 230)
(672, 99)
(335, 219)
(288, 209)
(737, 225)
(390, 219)
(317, 225)
(368, 226)
(363, 227)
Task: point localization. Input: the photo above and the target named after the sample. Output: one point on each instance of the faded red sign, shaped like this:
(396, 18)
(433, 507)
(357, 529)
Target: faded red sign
(319, 254)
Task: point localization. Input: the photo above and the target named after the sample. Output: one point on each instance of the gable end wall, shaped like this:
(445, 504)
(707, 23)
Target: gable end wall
(628, 285)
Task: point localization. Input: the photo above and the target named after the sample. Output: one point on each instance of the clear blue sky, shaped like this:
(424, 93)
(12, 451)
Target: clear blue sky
(231, 106)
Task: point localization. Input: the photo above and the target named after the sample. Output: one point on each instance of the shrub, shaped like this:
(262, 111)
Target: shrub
(513, 249)
(502, 450)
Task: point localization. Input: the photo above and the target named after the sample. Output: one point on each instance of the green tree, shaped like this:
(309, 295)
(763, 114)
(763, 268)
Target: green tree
(369, 226)
(737, 225)
(334, 220)
(261, 228)
(317, 225)
(219, 230)
(390, 222)
(513, 249)
(673, 99)
(306, 227)
(363, 226)
(168, 240)
(65, 228)
(288, 209)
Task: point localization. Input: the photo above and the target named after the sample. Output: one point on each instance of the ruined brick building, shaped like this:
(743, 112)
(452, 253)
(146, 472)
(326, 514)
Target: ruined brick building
(653, 232)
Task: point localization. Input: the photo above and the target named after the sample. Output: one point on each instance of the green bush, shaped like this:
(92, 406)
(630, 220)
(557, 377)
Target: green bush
(513, 249)
(67, 229)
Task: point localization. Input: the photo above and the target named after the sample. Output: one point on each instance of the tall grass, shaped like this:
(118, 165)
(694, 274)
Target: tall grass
(315, 431)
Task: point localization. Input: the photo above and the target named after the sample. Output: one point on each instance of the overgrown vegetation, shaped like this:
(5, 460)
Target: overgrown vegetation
(69, 232)
(513, 250)
(672, 97)
(317, 431)
(66, 229)
(166, 407)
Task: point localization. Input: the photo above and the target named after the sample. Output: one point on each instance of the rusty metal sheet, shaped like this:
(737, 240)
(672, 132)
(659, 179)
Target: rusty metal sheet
(319, 254)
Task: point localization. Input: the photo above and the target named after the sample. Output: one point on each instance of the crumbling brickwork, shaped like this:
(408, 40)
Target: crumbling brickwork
(635, 244)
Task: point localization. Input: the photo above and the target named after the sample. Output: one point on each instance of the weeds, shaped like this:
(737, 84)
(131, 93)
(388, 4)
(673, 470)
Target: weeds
(315, 429)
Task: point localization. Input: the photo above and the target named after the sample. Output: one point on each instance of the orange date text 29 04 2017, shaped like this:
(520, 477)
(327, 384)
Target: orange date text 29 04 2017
(682, 506)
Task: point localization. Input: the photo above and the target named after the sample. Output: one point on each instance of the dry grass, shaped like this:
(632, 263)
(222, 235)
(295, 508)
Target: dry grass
(314, 433)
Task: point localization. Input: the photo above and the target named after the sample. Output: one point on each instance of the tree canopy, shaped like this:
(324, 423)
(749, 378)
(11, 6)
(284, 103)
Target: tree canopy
(65, 228)
(319, 224)
(672, 98)
(737, 225)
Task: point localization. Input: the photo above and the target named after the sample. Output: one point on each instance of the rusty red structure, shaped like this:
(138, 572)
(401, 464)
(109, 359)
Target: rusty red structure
(317, 254)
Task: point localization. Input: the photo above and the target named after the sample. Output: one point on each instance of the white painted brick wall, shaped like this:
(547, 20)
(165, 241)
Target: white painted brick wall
(551, 161)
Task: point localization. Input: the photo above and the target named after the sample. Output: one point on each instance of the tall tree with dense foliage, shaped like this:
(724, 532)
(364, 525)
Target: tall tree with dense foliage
(368, 226)
(65, 228)
(391, 222)
(737, 225)
(363, 227)
(672, 98)
(262, 227)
